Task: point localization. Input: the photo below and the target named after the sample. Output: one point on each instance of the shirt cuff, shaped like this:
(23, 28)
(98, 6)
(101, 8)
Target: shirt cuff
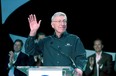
(10, 65)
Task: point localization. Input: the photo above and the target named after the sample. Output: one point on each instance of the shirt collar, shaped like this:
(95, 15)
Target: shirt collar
(99, 54)
(62, 36)
(17, 53)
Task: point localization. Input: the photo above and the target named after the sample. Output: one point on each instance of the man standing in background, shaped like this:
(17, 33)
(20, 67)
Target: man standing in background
(17, 58)
(100, 63)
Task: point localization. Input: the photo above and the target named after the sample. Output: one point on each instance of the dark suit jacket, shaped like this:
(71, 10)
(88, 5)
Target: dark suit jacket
(106, 60)
(22, 60)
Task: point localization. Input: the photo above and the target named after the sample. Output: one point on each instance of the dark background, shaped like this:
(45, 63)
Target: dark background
(87, 19)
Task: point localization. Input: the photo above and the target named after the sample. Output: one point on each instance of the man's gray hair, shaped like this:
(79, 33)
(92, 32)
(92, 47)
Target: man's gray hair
(59, 14)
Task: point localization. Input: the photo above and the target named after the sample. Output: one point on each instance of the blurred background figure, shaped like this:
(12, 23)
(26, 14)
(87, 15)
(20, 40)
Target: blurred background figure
(40, 36)
(17, 58)
(37, 60)
(100, 63)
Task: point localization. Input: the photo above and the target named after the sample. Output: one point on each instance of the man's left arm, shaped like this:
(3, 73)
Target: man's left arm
(80, 58)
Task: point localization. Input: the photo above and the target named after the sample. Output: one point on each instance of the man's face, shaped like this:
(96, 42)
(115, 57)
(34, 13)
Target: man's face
(59, 24)
(98, 46)
(17, 46)
(41, 37)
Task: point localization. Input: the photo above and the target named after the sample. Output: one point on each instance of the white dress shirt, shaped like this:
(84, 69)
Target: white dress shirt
(98, 57)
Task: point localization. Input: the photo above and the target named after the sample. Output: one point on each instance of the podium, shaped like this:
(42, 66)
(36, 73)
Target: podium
(46, 70)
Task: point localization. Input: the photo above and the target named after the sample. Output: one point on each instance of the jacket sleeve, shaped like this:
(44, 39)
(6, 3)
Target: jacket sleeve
(107, 64)
(31, 47)
(80, 55)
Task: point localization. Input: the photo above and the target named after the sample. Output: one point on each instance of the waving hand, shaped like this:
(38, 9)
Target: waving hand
(33, 24)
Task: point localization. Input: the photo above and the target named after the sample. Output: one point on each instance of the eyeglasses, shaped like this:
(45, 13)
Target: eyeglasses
(64, 21)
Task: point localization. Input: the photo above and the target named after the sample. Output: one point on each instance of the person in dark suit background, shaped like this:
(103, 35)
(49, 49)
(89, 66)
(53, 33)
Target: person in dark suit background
(100, 63)
(17, 58)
